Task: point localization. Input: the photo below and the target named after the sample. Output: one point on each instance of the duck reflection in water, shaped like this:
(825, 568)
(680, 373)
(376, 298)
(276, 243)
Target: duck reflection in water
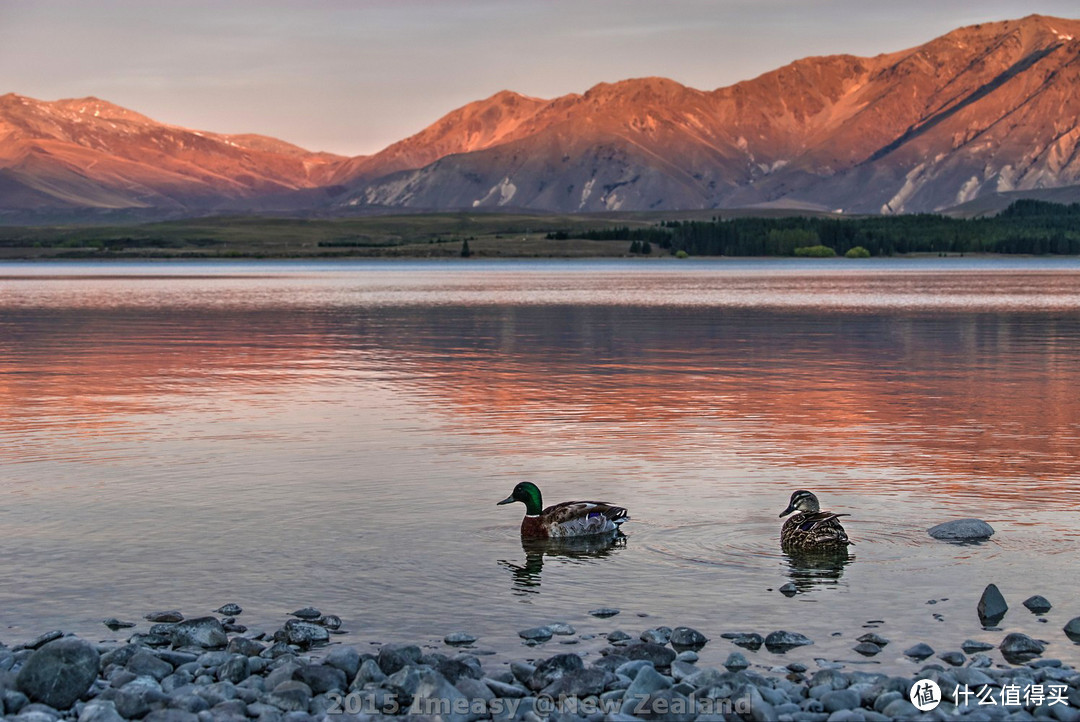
(572, 550)
(817, 568)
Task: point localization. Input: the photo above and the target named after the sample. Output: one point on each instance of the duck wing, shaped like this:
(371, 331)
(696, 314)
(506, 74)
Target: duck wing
(823, 525)
(582, 518)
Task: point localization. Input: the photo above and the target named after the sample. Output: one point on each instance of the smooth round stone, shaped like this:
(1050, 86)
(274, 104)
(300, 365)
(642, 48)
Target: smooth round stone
(687, 656)
(604, 612)
(561, 628)
(735, 662)
(1072, 629)
(60, 672)
(1038, 604)
(962, 530)
(952, 658)
(789, 589)
(970, 646)
(873, 638)
(617, 636)
(307, 613)
(169, 617)
(688, 638)
(839, 699)
(1020, 647)
(229, 610)
(459, 638)
(113, 623)
(780, 641)
(535, 634)
(867, 649)
(919, 651)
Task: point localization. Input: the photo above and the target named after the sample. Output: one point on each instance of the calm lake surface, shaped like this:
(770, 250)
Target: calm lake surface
(181, 435)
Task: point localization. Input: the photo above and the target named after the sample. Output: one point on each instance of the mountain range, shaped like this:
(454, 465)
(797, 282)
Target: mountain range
(984, 112)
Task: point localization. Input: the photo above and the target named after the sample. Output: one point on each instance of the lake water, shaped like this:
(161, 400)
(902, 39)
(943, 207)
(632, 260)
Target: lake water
(180, 435)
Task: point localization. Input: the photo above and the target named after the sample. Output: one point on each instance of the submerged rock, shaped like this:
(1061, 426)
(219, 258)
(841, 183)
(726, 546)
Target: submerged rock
(873, 638)
(789, 589)
(113, 623)
(867, 649)
(60, 672)
(782, 641)
(919, 651)
(746, 640)
(455, 639)
(1017, 647)
(962, 530)
(687, 638)
(307, 613)
(1038, 604)
(170, 617)
(1072, 629)
(992, 606)
(604, 612)
(230, 610)
(537, 634)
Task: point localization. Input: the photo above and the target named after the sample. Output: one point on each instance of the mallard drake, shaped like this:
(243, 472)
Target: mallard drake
(568, 519)
(811, 528)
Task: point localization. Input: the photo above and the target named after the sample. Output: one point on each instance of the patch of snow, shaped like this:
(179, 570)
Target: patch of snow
(612, 202)
(1006, 178)
(586, 192)
(968, 191)
(741, 143)
(911, 184)
(505, 190)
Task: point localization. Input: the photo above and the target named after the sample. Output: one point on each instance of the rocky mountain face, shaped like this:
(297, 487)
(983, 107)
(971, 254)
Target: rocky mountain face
(88, 153)
(984, 110)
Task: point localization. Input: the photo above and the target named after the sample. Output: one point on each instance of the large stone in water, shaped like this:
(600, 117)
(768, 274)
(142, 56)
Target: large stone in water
(1018, 647)
(962, 530)
(1038, 604)
(687, 638)
(992, 606)
(60, 672)
(1072, 629)
(205, 632)
(782, 641)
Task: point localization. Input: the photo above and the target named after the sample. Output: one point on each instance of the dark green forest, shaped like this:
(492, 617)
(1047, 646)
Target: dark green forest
(1026, 226)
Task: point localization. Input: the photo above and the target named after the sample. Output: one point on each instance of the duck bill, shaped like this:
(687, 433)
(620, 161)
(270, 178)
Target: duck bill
(507, 500)
(787, 511)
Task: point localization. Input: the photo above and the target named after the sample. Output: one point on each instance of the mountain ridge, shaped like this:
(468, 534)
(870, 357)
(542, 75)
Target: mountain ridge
(982, 110)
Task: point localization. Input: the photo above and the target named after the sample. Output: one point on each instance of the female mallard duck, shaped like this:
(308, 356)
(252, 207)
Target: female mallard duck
(568, 519)
(811, 528)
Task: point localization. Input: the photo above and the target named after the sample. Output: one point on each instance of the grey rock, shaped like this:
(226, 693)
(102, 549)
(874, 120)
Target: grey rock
(100, 710)
(736, 662)
(146, 664)
(617, 635)
(789, 589)
(459, 638)
(369, 672)
(867, 649)
(162, 629)
(666, 704)
(562, 628)
(347, 659)
(113, 623)
(538, 634)
(962, 530)
(687, 655)
(604, 612)
(173, 715)
(646, 682)
(1072, 629)
(138, 697)
(244, 646)
(660, 635)
(970, 645)
(504, 689)
(236, 669)
(205, 632)
(330, 621)
(42, 639)
(322, 678)
(992, 606)
(955, 659)
(553, 668)
(781, 641)
(687, 638)
(59, 672)
(522, 671)
(290, 696)
(751, 641)
(1017, 647)
(839, 699)
(457, 669)
(919, 651)
(579, 683)
(659, 656)
(435, 697)
(1038, 604)
(302, 634)
(682, 670)
(900, 709)
(630, 668)
(873, 638)
(230, 610)
(307, 613)
(169, 616)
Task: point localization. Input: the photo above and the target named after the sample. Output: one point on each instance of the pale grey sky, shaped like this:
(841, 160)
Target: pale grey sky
(352, 77)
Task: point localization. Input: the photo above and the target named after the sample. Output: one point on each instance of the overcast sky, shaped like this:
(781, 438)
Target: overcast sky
(352, 77)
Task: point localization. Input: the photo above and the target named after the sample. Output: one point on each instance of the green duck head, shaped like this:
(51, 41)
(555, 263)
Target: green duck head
(528, 494)
(802, 500)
